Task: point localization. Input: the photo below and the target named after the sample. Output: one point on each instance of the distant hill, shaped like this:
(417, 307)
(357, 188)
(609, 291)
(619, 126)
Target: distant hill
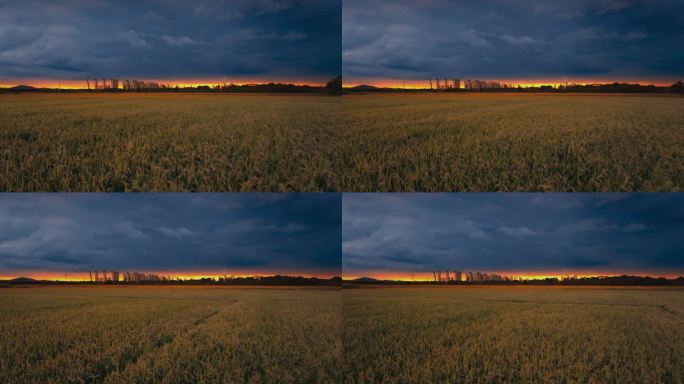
(365, 280)
(23, 280)
(23, 88)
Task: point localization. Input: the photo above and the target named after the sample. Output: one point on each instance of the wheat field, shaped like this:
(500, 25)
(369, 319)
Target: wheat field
(118, 334)
(512, 142)
(168, 142)
(169, 334)
(513, 335)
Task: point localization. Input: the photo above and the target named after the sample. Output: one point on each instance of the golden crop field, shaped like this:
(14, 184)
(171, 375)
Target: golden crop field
(512, 142)
(513, 335)
(169, 334)
(168, 142)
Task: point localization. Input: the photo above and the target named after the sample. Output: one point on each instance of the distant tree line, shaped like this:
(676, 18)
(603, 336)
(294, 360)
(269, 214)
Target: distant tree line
(624, 280)
(276, 280)
(332, 87)
(676, 88)
(265, 280)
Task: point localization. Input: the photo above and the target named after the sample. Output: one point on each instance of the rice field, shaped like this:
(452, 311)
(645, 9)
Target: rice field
(512, 142)
(168, 142)
(169, 334)
(513, 335)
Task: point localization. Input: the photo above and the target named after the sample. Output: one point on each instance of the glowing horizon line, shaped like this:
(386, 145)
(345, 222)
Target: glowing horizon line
(85, 277)
(514, 275)
(523, 83)
(189, 82)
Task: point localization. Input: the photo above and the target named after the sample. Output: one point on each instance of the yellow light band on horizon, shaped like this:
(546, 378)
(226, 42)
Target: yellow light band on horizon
(181, 83)
(523, 83)
(427, 276)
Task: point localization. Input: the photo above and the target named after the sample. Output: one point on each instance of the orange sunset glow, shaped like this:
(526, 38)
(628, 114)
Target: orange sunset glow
(516, 275)
(515, 82)
(80, 276)
(182, 83)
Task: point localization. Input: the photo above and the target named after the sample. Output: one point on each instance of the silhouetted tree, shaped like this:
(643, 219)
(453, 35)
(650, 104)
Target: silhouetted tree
(334, 86)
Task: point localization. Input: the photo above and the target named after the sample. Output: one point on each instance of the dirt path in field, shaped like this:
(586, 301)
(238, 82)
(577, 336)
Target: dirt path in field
(165, 342)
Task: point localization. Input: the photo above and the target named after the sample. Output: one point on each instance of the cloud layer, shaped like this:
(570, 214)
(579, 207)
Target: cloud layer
(512, 232)
(522, 39)
(171, 232)
(76, 39)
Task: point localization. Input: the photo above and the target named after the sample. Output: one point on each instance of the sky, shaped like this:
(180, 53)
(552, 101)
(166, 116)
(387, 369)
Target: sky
(46, 235)
(519, 235)
(202, 41)
(387, 42)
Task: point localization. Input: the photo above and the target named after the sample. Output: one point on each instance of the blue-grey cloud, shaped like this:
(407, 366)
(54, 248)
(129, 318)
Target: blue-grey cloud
(75, 39)
(514, 232)
(413, 39)
(171, 232)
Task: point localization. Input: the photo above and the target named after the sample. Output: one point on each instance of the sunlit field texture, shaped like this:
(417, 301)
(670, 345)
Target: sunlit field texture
(513, 142)
(168, 142)
(513, 335)
(169, 334)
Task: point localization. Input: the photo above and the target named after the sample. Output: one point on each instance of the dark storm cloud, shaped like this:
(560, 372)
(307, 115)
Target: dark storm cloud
(252, 232)
(497, 232)
(74, 39)
(513, 39)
